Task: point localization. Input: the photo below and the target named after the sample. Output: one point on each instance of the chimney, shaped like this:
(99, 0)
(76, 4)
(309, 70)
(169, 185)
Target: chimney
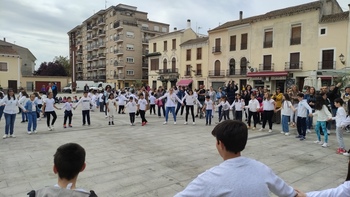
(188, 23)
(175, 28)
(4, 39)
(240, 15)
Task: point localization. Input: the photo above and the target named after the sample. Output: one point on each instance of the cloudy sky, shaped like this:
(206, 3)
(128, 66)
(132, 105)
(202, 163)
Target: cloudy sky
(42, 25)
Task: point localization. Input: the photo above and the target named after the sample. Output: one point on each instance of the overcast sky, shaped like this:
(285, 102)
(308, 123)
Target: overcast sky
(42, 25)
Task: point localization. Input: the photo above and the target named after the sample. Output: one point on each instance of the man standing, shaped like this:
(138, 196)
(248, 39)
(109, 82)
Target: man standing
(86, 88)
(231, 89)
(237, 175)
(180, 94)
(201, 99)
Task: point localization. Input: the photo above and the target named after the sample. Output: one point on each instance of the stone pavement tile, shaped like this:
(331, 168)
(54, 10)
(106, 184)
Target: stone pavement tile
(3, 184)
(130, 190)
(21, 188)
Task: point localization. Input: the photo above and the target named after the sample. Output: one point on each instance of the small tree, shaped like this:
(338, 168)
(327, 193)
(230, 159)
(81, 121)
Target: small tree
(51, 69)
(64, 61)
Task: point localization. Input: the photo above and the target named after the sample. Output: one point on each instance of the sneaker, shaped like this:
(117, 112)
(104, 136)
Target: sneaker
(282, 132)
(298, 136)
(185, 123)
(52, 127)
(29, 132)
(64, 126)
(318, 142)
(325, 145)
(342, 151)
(109, 123)
(143, 124)
(286, 134)
(130, 124)
(5, 136)
(270, 130)
(165, 123)
(23, 121)
(49, 128)
(194, 123)
(261, 129)
(13, 136)
(328, 132)
(302, 138)
(346, 154)
(113, 123)
(174, 122)
(70, 125)
(249, 127)
(35, 132)
(254, 128)
(308, 131)
(83, 124)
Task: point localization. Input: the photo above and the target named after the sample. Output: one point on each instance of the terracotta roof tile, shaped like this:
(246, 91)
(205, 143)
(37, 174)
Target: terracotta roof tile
(7, 50)
(335, 17)
(195, 41)
(275, 13)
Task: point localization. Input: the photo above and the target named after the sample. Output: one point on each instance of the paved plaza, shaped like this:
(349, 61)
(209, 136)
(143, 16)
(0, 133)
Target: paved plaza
(156, 160)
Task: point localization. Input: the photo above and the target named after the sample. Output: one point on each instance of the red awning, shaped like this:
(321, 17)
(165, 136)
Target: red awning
(267, 74)
(184, 82)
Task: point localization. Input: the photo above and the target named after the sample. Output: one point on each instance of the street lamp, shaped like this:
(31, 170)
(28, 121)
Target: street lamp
(342, 59)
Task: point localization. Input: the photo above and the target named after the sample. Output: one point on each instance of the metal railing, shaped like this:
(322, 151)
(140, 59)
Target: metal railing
(293, 65)
(326, 65)
(266, 67)
(217, 73)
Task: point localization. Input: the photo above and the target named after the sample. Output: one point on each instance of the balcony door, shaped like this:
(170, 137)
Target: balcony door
(327, 59)
(217, 68)
(232, 66)
(165, 66)
(243, 66)
(173, 65)
(294, 61)
(267, 62)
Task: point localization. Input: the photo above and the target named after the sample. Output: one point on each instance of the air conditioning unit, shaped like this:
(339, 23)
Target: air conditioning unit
(253, 70)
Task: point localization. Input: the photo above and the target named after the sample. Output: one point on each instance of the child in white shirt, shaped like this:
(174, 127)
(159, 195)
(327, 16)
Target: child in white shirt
(152, 102)
(225, 108)
(111, 108)
(208, 108)
(238, 104)
(253, 107)
(121, 102)
(142, 106)
(132, 107)
(67, 112)
(85, 109)
(339, 118)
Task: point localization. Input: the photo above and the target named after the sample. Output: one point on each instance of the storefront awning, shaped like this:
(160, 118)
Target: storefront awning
(267, 74)
(184, 82)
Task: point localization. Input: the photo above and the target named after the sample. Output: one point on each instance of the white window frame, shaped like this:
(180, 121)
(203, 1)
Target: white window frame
(156, 28)
(164, 29)
(130, 72)
(130, 47)
(130, 60)
(7, 67)
(319, 31)
(130, 34)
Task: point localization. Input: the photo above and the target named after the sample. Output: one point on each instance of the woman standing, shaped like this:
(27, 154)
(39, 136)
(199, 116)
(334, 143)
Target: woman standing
(277, 97)
(311, 100)
(269, 108)
(49, 109)
(170, 104)
(1, 106)
(191, 100)
(23, 100)
(10, 110)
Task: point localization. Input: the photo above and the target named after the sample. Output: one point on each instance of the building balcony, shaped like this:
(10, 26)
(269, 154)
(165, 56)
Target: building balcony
(101, 33)
(293, 66)
(96, 46)
(118, 39)
(268, 44)
(101, 56)
(217, 73)
(295, 41)
(80, 78)
(94, 68)
(118, 26)
(236, 72)
(188, 73)
(145, 52)
(101, 66)
(79, 34)
(327, 65)
(78, 42)
(94, 36)
(119, 64)
(145, 41)
(89, 48)
(102, 45)
(232, 47)
(79, 69)
(101, 22)
(88, 29)
(89, 58)
(94, 57)
(266, 67)
(145, 75)
(94, 26)
(101, 77)
(144, 65)
(118, 76)
(216, 49)
(168, 71)
(80, 51)
(118, 52)
(79, 60)
(89, 68)
(198, 73)
(89, 39)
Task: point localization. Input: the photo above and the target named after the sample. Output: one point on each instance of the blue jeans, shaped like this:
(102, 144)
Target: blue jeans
(24, 116)
(285, 126)
(321, 125)
(208, 114)
(10, 123)
(220, 111)
(1, 111)
(31, 120)
(309, 120)
(172, 110)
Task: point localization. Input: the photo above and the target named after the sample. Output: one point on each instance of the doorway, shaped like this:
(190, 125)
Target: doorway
(12, 84)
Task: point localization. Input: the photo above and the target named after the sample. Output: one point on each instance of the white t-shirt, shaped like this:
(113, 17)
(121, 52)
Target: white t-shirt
(286, 108)
(49, 104)
(209, 104)
(238, 177)
(152, 100)
(225, 105)
(142, 104)
(239, 105)
(269, 105)
(131, 106)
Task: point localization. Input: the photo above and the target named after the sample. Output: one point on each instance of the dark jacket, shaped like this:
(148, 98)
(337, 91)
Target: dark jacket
(231, 92)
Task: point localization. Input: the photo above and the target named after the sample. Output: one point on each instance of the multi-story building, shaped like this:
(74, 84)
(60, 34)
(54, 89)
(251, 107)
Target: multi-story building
(281, 47)
(111, 46)
(165, 57)
(15, 62)
(194, 62)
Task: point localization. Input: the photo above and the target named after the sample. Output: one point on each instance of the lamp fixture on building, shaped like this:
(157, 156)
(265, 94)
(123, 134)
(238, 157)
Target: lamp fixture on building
(342, 59)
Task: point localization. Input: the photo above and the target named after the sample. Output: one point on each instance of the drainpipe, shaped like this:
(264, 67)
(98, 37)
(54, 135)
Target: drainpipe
(19, 73)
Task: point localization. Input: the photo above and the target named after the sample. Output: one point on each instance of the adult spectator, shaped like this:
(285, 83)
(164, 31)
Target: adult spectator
(231, 89)
(43, 89)
(180, 94)
(86, 88)
(277, 97)
(201, 98)
(54, 90)
(49, 88)
(332, 94)
(310, 97)
(236, 175)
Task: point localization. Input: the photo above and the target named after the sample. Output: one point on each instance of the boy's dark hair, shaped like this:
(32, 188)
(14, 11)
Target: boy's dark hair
(69, 97)
(233, 134)
(85, 92)
(131, 98)
(300, 95)
(339, 100)
(319, 102)
(208, 97)
(69, 160)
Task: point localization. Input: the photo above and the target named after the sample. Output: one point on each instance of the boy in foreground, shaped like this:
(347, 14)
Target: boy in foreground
(69, 161)
(237, 176)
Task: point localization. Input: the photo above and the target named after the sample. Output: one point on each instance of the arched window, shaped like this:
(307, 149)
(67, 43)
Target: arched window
(232, 67)
(243, 66)
(217, 68)
(173, 65)
(165, 66)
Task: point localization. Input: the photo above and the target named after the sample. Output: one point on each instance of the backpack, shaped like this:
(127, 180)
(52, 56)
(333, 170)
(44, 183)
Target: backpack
(63, 192)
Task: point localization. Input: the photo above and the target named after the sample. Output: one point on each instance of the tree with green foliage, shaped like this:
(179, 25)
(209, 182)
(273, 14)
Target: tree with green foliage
(64, 61)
